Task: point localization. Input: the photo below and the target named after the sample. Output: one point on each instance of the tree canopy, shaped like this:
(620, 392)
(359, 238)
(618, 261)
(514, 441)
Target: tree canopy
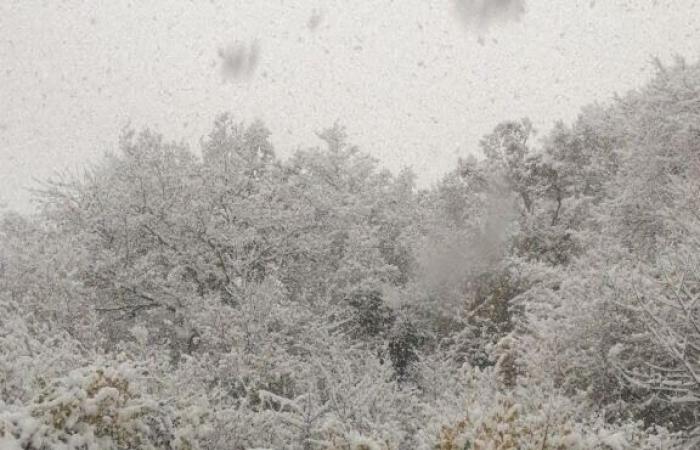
(545, 295)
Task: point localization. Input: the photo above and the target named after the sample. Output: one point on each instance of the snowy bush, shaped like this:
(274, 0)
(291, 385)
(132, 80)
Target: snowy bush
(102, 407)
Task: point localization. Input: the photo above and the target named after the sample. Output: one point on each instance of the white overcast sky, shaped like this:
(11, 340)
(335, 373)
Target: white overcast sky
(412, 84)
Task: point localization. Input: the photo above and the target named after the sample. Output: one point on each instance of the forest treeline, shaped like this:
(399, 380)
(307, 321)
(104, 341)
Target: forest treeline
(544, 295)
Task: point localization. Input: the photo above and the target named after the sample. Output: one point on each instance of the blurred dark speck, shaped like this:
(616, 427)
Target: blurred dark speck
(239, 60)
(314, 20)
(478, 15)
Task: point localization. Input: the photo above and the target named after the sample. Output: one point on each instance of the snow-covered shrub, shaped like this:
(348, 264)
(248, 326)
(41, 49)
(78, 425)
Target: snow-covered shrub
(105, 407)
(528, 418)
(30, 353)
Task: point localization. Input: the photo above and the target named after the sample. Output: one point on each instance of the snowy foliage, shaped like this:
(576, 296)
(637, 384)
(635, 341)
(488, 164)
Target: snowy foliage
(545, 296)
(98, 408)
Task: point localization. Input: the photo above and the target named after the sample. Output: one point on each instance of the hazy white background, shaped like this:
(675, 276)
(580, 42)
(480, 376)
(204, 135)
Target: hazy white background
(416, 82)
